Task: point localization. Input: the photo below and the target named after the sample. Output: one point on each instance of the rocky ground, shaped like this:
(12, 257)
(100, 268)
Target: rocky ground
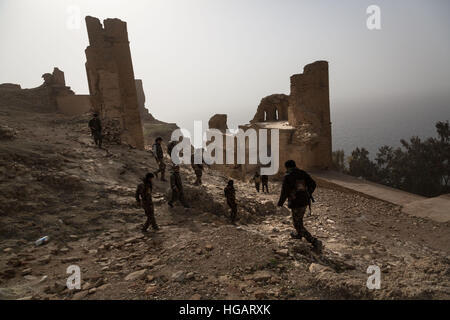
(54, 182)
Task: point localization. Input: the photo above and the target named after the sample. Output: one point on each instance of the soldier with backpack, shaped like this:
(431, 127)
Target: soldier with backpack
(144, 199)
(298, 187)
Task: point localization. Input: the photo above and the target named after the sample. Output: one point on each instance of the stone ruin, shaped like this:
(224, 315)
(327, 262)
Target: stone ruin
(302, 118)
(115, 94)
(272, 108)
(111, 81)
(219, 122)
(52, 96)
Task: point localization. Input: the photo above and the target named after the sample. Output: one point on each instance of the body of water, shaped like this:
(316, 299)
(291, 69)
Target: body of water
(372, 129)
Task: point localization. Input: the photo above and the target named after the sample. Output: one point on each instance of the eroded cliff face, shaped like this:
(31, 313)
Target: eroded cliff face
(111, 80)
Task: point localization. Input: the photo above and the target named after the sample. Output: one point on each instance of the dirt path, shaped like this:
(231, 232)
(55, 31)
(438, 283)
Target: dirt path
(54, 182)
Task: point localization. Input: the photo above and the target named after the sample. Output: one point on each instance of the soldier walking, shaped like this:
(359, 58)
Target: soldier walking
(198, 170)
(265, 183)
(159, 157)
(176, 186)
(257, 180)
(298, 187)
(144, 200)
(96, 130)
(170, 147)
(230, 195)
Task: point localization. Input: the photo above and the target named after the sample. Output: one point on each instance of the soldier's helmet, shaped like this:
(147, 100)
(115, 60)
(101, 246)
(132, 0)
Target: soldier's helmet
(149, 176)
(158, 139)
(230, 182)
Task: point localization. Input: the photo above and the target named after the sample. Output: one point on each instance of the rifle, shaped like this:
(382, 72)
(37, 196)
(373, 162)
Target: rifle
(310, 199)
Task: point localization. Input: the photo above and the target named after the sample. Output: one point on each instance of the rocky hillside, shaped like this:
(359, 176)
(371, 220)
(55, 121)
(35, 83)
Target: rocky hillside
(55, 182)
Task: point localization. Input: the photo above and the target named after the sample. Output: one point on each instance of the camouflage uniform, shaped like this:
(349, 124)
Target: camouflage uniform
(297, 217)
(198, 170)
(177, 189)
(265, 183)
(257, 180)
(230, 194)
(297, 188)
(144, 197)
(159, 157)
(96, 131)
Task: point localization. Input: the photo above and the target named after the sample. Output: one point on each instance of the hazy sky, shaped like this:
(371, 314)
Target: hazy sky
(201, 57)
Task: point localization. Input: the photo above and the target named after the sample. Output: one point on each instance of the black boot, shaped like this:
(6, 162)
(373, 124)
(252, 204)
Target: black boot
(317, 246)
(296, 235)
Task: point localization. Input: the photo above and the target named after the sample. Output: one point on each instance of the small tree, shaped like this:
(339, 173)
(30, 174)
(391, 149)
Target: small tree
(361, 166)
(338, 158)
(420, 167)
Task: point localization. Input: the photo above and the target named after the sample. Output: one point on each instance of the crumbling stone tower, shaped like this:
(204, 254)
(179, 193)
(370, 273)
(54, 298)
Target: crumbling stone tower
(302, 119)
(309, 113)
(111, 81)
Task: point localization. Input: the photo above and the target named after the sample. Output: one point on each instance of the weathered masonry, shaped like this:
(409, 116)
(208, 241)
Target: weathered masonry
(302, 118)
(111, 81)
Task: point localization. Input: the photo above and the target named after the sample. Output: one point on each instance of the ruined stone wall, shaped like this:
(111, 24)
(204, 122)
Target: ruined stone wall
(309, 112)
(218, 121)
(72, 105)
(111, 81)
(42, 98)
(272, 108)
(303, 121)
(56, 78)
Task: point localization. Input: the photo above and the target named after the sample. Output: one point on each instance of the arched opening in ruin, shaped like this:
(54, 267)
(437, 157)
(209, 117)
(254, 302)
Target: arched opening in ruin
(265, 116)
(276, 115)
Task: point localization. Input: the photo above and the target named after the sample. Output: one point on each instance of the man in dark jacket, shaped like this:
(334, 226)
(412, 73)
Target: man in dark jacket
(297, 188)
(230, 194)
(176, 187)
(96, 130)
(144, 199)
(159, 157)
(265, 183)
